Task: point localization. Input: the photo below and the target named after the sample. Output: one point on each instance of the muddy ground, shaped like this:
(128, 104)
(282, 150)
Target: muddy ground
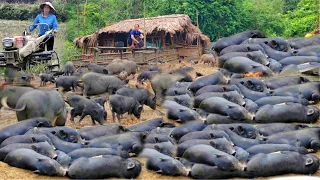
(8, 118)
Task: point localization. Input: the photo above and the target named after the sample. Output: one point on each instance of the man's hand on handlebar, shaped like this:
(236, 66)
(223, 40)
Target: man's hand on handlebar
(54, 32)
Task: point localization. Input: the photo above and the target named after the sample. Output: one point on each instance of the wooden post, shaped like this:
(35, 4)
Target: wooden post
(144, 26)
(198, 36)
(163, 39)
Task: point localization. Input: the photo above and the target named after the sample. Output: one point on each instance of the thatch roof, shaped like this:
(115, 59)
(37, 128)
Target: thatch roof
(169, 24)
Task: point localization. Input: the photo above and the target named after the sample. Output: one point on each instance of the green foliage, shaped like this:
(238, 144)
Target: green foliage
(36, 69)
(17, 12)
(217, 18)
(290, 5)
(99, 13)
(303, 19)
(70, 51)
(28, 11)
(265, 16)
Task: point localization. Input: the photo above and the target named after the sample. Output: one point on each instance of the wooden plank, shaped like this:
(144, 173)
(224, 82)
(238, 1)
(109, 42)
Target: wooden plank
(163, 39)
(106, 54)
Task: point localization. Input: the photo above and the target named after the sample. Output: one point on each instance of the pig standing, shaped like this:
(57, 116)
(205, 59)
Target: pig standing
(123, 104)
(83, 107)
(95, 84)
(40, 103)
(69, 68)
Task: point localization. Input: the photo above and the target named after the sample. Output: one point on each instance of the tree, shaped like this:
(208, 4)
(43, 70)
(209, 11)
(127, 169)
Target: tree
(303, 19)
(265, 16)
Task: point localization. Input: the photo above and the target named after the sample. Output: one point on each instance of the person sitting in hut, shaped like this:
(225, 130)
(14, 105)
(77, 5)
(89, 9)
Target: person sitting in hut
(135, 37)
(45, 17)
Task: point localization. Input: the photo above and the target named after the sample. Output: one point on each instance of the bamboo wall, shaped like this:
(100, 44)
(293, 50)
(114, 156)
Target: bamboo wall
(170, 49)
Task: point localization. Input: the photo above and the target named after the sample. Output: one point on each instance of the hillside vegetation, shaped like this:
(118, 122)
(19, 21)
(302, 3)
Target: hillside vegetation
(217, 18)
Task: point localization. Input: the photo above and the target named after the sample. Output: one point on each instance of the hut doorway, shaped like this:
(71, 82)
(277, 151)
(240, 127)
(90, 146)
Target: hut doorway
(121, 37)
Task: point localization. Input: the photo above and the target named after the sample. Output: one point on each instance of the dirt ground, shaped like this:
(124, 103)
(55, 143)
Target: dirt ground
(8, 118)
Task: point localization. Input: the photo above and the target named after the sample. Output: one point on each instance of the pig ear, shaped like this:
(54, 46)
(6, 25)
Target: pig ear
(240, 129)
(224, 88)
(63, 133)
(310, 112)
(119, 147)
(156, 139)
(212, 135)
(248, 48)
(41, 159)
(33, 140)
(241, 82)
(219, 155)
(212, 143)
(250, 83)
(176, 99)
(303, 79)
(163, 159)
(144, 135)
(156, 147)
(130, 165)
(298, 143)
(309, 161)
(249, 56)
(274, 43)
(34, 148)
(105, 71)
(175, 92)
(225, 96)
(231, 106)
(123, 129)
(40, 124)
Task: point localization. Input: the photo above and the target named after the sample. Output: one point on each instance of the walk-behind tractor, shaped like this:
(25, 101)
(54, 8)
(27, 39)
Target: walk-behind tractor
(22, 52)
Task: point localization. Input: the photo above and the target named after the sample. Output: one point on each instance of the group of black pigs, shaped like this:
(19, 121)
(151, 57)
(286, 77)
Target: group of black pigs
(236, 122)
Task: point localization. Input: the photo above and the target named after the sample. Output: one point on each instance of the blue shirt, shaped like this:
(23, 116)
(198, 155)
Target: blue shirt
(136, 34)
(51, 20)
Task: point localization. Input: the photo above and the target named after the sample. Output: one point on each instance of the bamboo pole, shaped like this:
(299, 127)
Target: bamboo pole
(78, 14)
(85, 11)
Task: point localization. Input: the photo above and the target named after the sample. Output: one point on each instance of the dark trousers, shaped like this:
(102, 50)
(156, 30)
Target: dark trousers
(49, 43)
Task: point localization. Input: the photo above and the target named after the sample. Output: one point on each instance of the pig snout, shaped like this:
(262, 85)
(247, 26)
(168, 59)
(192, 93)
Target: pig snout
(233, 153)
(267, 63)
(55, 157)
(243, 104)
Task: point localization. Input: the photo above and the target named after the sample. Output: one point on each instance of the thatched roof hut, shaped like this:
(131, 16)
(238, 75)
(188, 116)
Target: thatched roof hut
(165, 32)
(171, 24)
